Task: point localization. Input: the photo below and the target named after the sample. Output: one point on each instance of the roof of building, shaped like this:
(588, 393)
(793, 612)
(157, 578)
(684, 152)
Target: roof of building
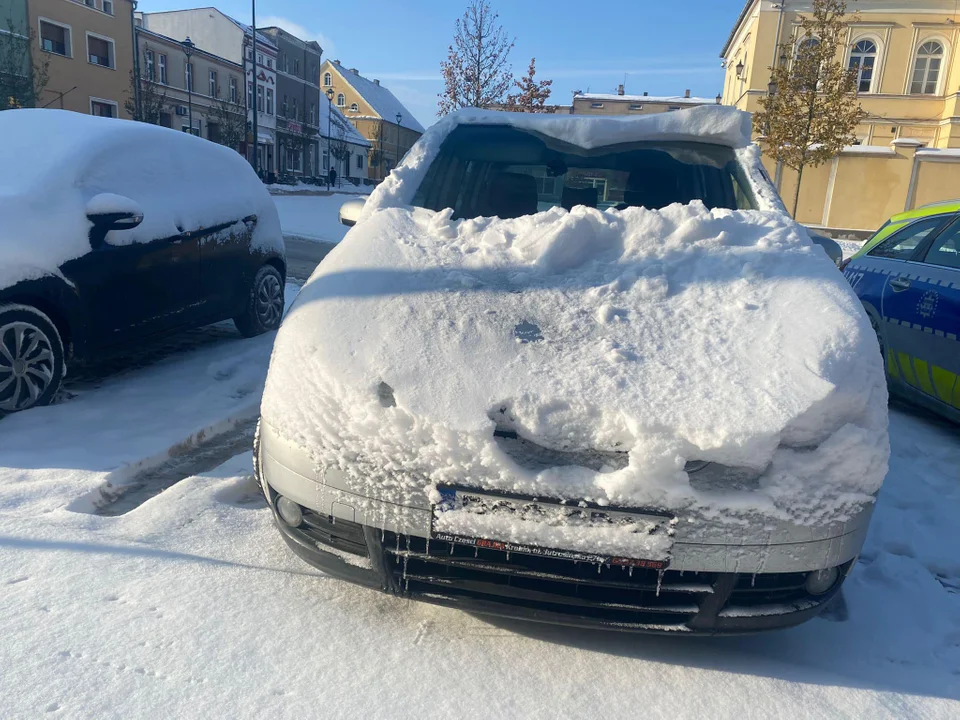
(680, 100)
(379, 98)
(736, 26)
(286, 34)
(352, 135)
(261, 38)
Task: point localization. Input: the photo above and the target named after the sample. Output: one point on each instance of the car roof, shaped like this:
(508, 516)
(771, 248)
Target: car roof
(937, 208)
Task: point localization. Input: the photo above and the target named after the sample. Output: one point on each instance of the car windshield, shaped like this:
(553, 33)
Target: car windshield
(503, 171)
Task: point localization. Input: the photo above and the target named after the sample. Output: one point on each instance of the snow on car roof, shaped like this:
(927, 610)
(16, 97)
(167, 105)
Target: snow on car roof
(64, 159)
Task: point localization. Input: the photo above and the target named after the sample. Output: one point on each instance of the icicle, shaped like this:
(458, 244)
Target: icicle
(451, 548)
(753, 580)
(428, 546)
(398, 543)
(508, 556)
(659, 581)
(631, 571)
(599, 567)
(475, 550)
(383, 534)
(333, 519)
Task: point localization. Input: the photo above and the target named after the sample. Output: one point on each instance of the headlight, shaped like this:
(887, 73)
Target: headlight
(820, 581)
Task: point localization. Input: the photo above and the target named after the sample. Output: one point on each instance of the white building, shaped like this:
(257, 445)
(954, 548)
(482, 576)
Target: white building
(334, 130)
(225, 37)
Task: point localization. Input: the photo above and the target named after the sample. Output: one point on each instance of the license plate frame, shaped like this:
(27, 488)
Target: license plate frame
(452, 497)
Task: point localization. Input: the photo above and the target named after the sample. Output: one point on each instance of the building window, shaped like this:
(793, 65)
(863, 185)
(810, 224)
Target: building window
(108, 7)
(103, 108)
(327, 79)
(326, 160)
(269, 62)
(100, 51)
(213, 83)
(284, 107)
(863, 59)
(926, 69)
(250, 95)
(259, 98)
(151, 68)
(269, 101)
(233, 90)
(296, 110)
(259, 58)
(162, 65)
(341, 100)
(188, 74)
(55, 38)
(673, 108)
(636, 106)
(596, 105)
(249, 54)
(359, 161)
(354, 107)
(296, 67)
(313, 113)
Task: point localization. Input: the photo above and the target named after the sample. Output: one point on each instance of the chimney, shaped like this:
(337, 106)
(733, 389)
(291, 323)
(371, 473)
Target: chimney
(357, 72)
(686, 93)
(619, 89)
(376, 82)
(645, 93)
(336, 62)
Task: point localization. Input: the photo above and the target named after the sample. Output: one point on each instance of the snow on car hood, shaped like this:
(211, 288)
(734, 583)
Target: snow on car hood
(606, 350)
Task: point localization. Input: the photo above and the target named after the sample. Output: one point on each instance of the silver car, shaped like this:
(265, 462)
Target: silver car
(557, 372)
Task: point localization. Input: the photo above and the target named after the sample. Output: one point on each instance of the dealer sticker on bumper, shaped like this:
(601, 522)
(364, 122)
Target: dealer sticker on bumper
(466, 503)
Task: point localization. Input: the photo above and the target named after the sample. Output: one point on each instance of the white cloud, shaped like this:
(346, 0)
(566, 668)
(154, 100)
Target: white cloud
(329, 47)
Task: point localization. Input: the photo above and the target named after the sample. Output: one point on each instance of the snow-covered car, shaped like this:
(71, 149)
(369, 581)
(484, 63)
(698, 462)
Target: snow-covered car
(582, 370)
(113, 231)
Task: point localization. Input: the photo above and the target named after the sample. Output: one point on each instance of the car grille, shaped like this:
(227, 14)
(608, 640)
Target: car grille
(607, 594)
(340, 534)
(768, 589)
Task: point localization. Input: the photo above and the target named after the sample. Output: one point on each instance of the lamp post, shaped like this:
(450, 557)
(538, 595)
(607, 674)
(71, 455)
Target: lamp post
(188, 47)
(399, 118)
(329, 137)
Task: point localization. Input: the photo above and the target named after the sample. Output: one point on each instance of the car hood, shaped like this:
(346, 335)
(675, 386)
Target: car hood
(614, 347)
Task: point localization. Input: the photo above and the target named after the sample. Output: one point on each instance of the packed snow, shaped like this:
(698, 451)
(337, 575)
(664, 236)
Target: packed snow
(313, 217)
(65, 160)
(669, 336)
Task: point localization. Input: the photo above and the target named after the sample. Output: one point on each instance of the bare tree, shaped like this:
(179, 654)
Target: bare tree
(476, 73)
(376, 145)
(153, 100)
(22, 77)
(533, 94)
(339, 147)
(231, 120)
(812, 111)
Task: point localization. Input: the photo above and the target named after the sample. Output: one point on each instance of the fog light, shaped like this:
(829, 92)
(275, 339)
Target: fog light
(289, 511)
(819, 581)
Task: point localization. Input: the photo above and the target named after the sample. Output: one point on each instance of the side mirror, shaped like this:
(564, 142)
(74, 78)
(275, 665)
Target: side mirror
(111, 212)
(350, 212)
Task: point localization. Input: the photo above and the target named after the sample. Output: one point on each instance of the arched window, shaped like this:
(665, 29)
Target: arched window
(926, 69)
(354, 107)
(327, 79)
(341, 100)
(863, 59)
(806, 61)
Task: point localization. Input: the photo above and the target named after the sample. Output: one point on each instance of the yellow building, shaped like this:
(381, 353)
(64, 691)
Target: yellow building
(908, 149)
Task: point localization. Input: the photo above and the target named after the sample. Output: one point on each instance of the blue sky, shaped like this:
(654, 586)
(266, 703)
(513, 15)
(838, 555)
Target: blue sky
(662, 47)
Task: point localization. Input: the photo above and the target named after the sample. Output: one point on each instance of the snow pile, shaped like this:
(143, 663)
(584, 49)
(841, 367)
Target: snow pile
(64, 160)
(313, 217)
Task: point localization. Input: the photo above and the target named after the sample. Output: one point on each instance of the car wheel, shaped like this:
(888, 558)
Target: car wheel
(31, 359)
(264, 305)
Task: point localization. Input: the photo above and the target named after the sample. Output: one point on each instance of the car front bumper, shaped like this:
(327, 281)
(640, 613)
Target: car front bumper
(720, 580)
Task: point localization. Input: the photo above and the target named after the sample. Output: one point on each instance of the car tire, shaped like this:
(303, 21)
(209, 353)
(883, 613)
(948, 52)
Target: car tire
(875, 324)
(264, 309)
(32, 363)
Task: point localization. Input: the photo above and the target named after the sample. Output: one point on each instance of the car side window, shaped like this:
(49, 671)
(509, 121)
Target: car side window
(903, 243)
(945, 250)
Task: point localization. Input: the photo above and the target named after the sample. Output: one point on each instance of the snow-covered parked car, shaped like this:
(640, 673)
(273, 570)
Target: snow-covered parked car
(113, 231)
(582, 370)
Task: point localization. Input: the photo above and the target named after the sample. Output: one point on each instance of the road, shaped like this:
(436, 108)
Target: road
(303, 256)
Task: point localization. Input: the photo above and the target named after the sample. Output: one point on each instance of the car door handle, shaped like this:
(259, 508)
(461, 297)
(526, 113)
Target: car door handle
(899, 284)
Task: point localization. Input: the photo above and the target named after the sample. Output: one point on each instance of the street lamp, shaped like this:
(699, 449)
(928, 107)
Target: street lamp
(399, 118)
(329, 136)
(739, 69)
(188, 47)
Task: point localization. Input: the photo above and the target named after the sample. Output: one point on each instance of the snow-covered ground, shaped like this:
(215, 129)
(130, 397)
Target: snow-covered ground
(312, 217)
(190, 605)
(301, 187)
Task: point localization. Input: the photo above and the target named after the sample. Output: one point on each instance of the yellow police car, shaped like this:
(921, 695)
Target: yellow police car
(908, 278)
